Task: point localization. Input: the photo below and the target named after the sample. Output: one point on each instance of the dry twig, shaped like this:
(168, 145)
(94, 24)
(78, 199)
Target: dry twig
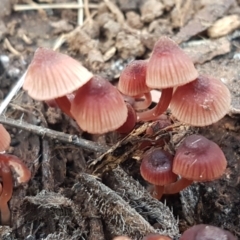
(55, 135)
(26, 7)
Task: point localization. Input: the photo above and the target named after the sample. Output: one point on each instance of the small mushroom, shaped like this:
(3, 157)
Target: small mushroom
(206, 232)
(201, 102)
(168, 67)
(98, 107)
(197, 159)
(51, 75)
(132, 82)
(156, 168)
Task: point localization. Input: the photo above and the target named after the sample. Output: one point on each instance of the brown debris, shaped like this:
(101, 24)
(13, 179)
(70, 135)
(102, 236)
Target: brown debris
(129, 46)
(151, 10)
(118, 216)
(205, 50)
(203, 19)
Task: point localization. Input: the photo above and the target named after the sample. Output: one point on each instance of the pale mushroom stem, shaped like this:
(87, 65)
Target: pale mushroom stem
(159, 109)
(177, 186)
(7, 189)
(158, 192)
(141, 105)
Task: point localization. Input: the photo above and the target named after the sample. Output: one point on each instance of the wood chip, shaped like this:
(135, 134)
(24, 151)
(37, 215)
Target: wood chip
(203, 19)
(204, 50)
(224, 26)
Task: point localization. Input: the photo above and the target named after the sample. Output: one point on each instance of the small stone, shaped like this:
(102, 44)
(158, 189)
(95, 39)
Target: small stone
(13, 73)
(4, 59)
(129, 46)
(150, 10)
(134, 20)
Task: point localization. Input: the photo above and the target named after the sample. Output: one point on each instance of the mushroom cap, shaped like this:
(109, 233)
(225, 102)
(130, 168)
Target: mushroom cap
(206, 232)
(98, 107)
(121, 238)
(156, 167)
(201, 102)
(132, 80)
(5, 139)
(52, 74)
(156, 237)
(199, 159)
(24, 174)
(169, 66)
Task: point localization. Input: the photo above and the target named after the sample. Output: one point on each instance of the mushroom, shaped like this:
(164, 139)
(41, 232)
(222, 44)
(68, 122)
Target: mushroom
(5, 139)
(51, 75)
(201, 102)
(206, 232)
(168, 67)
(156, 168)
(197, 159)
(6, 163)
(98, 107)
(132, 82)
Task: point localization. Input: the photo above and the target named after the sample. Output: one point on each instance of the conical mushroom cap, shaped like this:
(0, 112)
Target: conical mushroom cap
(201, 102)
(52, 74)
(98, 107)
(199, 159)
(169, 66)
(132, 80)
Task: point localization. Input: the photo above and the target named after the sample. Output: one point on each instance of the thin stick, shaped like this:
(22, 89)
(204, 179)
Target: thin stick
(80, 13)
(26, 7)
(12, 93)
(55, 135)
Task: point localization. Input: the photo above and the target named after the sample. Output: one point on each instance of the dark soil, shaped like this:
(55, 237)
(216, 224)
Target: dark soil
(67, 198)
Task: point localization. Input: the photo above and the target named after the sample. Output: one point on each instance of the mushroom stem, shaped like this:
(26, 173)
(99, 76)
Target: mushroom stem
(160, 108)
(6, 194)
(141, 105)
(177, 186)
(158, 192)
(64, 104)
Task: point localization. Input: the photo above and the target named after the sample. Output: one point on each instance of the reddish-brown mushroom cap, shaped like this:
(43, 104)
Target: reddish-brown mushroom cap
(197, 159)
(98, 107)
(24, 174)
(201, 102)
(5, 139)
(169, 66)
(156, 237)
(52, 74)
(206, 232)
(132, 82)
(156, 168)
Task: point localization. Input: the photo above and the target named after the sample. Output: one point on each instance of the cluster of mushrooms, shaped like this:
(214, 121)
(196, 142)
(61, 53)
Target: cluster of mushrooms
(99, 107)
